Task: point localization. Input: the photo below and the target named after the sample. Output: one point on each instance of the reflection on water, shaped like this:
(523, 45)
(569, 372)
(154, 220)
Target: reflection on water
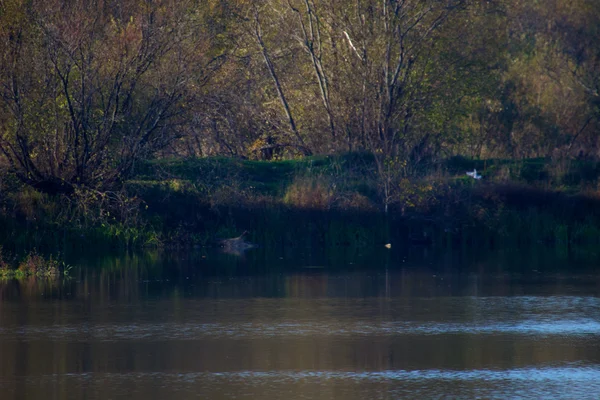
(542, 316)
(148, 327)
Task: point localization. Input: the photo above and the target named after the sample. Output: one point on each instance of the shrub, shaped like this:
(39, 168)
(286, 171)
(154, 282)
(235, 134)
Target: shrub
(416, 195)
(36, 265)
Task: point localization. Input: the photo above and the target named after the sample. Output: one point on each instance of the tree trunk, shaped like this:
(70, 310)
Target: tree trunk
(286, 107)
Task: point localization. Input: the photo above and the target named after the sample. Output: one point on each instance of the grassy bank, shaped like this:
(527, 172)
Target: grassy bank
(316, 201)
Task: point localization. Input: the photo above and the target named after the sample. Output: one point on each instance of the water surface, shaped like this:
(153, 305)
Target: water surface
(184, 326)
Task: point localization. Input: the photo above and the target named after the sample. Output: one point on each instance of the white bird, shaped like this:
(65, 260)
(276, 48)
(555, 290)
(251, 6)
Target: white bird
(474, 174)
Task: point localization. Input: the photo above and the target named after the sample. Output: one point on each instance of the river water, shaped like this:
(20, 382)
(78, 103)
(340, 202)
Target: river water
(180, 326)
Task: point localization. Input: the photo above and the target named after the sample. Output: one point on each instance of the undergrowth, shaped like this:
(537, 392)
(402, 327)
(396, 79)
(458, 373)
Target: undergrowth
(190, 202)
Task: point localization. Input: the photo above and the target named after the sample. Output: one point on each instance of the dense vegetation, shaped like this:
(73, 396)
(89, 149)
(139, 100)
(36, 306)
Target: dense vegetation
(107, 108)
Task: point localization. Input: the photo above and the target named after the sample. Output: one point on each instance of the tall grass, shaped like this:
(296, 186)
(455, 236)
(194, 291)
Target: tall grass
(310, 193)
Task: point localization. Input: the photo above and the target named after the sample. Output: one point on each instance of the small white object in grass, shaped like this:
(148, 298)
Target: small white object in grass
(474, 174)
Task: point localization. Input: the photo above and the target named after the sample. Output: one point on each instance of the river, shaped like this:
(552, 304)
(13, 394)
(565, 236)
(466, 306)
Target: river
(414, 325)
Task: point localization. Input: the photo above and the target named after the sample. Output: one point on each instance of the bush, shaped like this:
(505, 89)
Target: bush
(36, 265)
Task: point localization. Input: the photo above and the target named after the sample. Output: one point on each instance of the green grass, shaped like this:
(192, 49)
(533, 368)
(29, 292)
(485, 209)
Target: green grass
(271, 178)
(566, 174)
(263, 177)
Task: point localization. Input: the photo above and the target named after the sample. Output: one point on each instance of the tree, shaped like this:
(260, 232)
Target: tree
(391, 49)
(89, 88)
(258, 34)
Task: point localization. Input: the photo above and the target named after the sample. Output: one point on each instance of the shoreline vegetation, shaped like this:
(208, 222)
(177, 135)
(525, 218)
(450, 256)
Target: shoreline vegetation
(315, 201)
(130, 124)
(32, 265)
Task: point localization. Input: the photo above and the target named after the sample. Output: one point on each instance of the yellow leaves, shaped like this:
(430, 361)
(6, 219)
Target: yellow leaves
(395, 162)
(257, 145)
(175, 185)
(416, 194)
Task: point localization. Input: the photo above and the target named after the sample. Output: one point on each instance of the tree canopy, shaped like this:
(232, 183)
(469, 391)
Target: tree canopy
(89, 87)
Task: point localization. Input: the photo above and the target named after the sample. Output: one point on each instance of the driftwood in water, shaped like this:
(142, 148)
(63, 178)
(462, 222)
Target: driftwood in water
(236, 245)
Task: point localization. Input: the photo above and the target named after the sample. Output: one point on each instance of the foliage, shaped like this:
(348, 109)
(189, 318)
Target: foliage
(88, 89)
(127, 120)
(34, 265)
(330, 194)
(416, 195)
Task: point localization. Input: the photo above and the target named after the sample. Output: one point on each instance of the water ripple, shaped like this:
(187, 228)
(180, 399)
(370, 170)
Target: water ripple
(571, 373)
(558, 382)
(194, 331)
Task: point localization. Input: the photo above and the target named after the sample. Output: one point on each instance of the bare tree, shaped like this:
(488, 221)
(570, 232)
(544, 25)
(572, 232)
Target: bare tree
(271, 67)
(88, 92)
(312, 42)
(390, 49)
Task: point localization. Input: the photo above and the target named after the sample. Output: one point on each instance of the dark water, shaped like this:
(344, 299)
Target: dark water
(388, 326)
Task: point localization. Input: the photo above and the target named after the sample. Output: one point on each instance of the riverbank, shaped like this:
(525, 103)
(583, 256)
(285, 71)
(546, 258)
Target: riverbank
(315, 201)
